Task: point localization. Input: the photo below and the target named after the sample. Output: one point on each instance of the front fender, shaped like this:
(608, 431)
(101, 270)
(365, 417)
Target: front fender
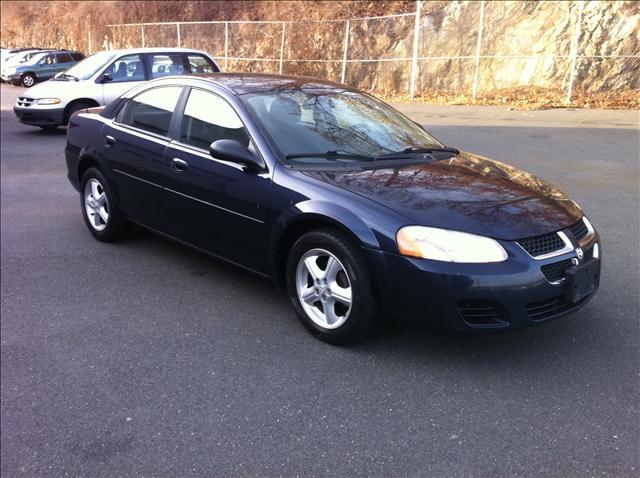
(330, 213)
(310, 213)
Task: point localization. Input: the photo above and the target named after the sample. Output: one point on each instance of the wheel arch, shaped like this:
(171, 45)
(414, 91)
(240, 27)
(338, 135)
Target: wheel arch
(90, 102)
(85, 162)
(32, 73)
(88, 160)
(308, 217)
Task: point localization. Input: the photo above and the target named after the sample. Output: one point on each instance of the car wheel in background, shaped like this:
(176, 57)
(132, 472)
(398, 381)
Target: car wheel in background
(101, 216)
(28, 80)
(72, 108)
(331, 287)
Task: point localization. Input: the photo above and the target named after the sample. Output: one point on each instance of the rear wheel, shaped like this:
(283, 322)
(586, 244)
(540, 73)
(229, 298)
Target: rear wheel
(100, 215)
(28, 80)
(330, 287)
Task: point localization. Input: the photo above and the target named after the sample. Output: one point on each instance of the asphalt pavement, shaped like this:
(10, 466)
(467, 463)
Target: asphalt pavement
(147, 358)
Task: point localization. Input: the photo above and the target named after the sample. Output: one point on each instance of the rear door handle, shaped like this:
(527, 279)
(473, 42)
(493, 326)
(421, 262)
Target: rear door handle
(178, 165)
(109, 141)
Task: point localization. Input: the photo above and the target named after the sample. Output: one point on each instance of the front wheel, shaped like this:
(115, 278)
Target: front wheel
(28, 80)
(100, 215)
(331, 287)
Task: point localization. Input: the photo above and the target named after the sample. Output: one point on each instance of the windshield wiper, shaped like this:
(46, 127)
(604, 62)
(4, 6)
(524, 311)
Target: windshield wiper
(409, 152)
(67, 75)
(332, 156)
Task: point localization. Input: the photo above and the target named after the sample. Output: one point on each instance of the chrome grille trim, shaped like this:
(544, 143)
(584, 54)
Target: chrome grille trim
(591, 233)
(568, 247)
(24, 102)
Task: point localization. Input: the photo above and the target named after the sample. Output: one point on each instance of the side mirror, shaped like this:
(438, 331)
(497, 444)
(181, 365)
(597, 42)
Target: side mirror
(106, 78)
(234, 151)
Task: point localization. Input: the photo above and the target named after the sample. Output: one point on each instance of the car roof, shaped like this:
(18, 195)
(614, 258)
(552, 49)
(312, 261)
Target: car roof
(152, 50)
(243, 83)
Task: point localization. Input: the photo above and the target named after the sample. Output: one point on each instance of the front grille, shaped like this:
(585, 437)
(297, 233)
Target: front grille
(543, 244)
(579, 229)
(555, 272)
(548, 308)
(482, 313)
(24, 101)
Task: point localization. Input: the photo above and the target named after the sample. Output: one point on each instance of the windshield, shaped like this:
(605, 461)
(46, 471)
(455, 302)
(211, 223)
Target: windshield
(86, 68)
(348, 125)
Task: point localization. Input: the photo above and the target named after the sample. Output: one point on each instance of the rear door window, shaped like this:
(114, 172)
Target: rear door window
(77, 56)
(201, 64)
(151, 110)
(166, 64)
(127, 68)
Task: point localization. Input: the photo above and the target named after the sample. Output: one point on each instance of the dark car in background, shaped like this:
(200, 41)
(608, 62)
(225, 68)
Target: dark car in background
(352, 208)
(41, 66)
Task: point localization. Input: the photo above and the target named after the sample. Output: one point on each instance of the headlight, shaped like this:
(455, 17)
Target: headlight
(48, 101)
(448, 246)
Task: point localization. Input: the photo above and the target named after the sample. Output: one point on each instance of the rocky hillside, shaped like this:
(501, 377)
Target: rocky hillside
(526, 47)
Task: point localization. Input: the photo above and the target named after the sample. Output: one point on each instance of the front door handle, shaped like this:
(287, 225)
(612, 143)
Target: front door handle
(109, 141)
(178, 165)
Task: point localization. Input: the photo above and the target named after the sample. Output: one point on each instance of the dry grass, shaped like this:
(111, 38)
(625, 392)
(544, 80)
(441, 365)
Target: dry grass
(526, 98)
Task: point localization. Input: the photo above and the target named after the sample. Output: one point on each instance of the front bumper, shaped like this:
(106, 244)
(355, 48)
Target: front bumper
(507, 295)
(40, 116)
(14, 79)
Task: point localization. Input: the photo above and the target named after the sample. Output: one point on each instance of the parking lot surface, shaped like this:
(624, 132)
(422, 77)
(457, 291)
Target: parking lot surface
(144, 357)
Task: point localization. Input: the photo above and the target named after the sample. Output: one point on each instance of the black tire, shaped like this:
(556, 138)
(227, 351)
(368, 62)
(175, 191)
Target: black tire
(116, 226)
(363, 314)
(28, 80)
(73, 108)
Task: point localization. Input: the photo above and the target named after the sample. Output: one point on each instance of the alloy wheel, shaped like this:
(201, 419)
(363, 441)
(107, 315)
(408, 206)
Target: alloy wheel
(324, 288)
(96, 205)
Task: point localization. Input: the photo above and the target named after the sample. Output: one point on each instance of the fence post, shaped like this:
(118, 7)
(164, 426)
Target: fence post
(226, 44)
(414, 60)
(284, 25)
(478, 47)
(574, 53)
(142, 34)
(89, 42)
(345, 52)
(178, 33)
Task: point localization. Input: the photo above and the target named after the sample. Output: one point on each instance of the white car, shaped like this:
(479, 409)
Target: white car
(103, 77)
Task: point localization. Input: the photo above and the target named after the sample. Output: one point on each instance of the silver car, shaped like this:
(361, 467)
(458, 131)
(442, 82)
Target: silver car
(103, 77)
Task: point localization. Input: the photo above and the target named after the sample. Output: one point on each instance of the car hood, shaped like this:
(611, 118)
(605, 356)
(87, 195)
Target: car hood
(54, 89)
(465, 193)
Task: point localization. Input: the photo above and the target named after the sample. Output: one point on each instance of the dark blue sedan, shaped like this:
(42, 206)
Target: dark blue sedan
(352, 208)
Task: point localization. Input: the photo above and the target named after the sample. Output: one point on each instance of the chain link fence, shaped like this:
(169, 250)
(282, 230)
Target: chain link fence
(465, 50)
